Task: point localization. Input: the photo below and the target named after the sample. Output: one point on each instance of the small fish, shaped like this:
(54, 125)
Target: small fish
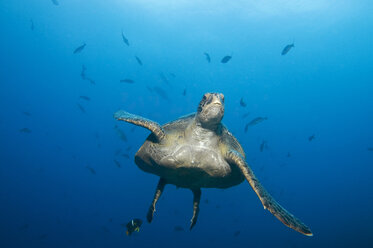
(105, 229)
(257, 120)
(288, 155)
(32, 25)
(370, 149)
(149, 89)
(121, 134)
(128, 148)
(226, 59)
(25, 130)
(207, 201)
(85, 98)
(287, 48)
(312, 137)
(161, 92)
(117, 152)
(55, 2)
(208, 57)
(184, 92)
(91, 80)
(82, 74)
(24, 227)
(245, 115)
(246, 127)
(81, 108)
(125, 156)
(263, 146)
(236, 233)
(117, 163)
(242, 103)
(43, 236)
(173, 75)
(127, 80)
(138, 60)
(164, 78)
(132, 226)
(178, 229)
(26, 113)
(79, 49)
(125, 40)
(91, 170)
(133, 129)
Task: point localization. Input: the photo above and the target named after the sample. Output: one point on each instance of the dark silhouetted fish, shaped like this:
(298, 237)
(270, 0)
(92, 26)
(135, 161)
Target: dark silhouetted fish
(24, 227)
(161, 92)
(125, 156)
(164, 78)
(91, 80)
(43, 236)
(246, 127)
(25, 130)
(287, 48)
(173, 75)
(125, 40)
(81, 108)
(288, 155)
(128, 148)
(117, 163)
(138, 60)
(226, 59)
(91, 170)
(105, 229)
(117, 152)
(184, 92)
(82, 74)
(312, 137)
(133, 129)
(85, 98)
(127, 80)
(149, 89)
(245, 115)
(263, 146)
(32, 25)
(256, 121)
(236, 233)
(55, 2)
(207, 201)
(370, 149)
(207, 57)
(120, 133)
(79, 49)
(178, 229)
(242, 103)
(26, 113)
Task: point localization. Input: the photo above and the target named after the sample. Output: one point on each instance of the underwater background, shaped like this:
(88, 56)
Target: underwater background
(67, 174)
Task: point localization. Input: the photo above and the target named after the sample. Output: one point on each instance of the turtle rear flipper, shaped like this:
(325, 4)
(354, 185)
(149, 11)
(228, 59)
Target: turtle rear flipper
(154, 127)
(267, 200)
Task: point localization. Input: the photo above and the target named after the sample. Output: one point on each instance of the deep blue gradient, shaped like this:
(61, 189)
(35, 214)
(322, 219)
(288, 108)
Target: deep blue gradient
(323, 86)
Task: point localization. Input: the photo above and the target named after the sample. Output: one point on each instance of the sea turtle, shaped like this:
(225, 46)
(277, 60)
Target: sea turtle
(197, 151)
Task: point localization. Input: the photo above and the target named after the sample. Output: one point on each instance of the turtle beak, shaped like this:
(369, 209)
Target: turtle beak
(218, 99)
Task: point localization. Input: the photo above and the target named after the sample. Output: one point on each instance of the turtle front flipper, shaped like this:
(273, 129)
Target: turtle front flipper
(267, 200)
(196, 200)
(157, 195)
(154, 127)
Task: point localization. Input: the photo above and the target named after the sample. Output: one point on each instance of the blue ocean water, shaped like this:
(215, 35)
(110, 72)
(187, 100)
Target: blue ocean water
(59, 183)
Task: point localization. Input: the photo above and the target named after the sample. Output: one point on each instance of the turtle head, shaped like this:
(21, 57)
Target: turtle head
(211, 110)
